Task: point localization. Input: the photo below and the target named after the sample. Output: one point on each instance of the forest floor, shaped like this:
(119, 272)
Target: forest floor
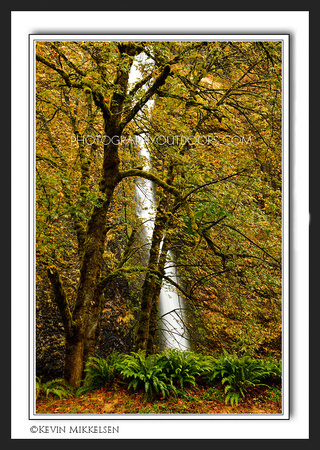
(116, 399)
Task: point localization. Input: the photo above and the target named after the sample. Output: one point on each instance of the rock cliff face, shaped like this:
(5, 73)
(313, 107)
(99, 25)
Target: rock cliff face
(49, 339)
(117, 320)
(115, 334)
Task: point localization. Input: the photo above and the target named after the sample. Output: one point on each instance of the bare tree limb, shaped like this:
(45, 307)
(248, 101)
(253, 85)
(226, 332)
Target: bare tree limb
(159, 81)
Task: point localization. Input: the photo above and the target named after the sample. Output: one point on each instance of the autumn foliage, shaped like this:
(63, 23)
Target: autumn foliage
(214, 134)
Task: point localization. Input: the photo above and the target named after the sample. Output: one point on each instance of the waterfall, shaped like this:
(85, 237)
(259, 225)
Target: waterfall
(171, 304)
(171, 308)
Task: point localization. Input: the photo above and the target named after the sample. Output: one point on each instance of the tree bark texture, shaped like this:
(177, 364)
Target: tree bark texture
(148, 307)
(83, 323)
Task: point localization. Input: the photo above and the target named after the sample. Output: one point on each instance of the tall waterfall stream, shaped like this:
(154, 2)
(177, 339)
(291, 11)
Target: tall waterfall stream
(171, 305)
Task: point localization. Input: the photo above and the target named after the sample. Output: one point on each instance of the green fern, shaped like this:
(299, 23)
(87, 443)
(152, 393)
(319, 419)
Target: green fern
(272, 369)
(57, 388)
(99, 372)
(143, 372)
(182, 367)
(239, 374)
(233, 397)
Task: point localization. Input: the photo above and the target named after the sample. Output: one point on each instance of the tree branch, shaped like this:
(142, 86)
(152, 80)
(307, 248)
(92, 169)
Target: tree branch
(252, 242)
(149, 176)
(106, 280)
(159, 81)
(96, 94)
(235, 84)
(139, 85)
(189, 102)
(213, 182)
(183, 199)
(61, 72)
(60, 298)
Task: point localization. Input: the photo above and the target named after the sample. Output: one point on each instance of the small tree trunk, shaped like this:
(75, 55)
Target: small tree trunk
(81, 344)
(154, 316)
(73, 365)
(149, 284)
(142, 334)
(151, 343)
(93, 328)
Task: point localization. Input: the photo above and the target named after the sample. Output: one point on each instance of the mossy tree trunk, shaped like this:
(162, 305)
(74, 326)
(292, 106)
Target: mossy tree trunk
(147, 325)
(149, 285)
(162, 260)
(82, 324)
(154, 315)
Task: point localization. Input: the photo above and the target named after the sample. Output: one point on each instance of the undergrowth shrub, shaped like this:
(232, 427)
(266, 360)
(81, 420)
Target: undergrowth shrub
(57, 388)
(144, 372)
(272, 370)
(99, 372)
(239, 374)
(171, 371)
(182, 367)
